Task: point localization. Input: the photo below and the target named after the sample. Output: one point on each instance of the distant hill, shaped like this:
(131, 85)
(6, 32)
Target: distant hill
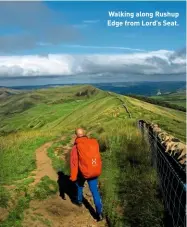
(137, 88)
(6, 92)
(178, 98)
(17, 101)
(143, 88)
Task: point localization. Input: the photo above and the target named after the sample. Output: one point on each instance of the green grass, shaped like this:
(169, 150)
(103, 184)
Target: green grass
(62, 117)
(4, 197)
(57, 163)
(23, 184)
(172, 121)
(17, 156)
(16, 216)
(66, 141)
(127, 173)
(45, 188)
(43, 108)
(37, 117)
(178, 98)
(131, 183)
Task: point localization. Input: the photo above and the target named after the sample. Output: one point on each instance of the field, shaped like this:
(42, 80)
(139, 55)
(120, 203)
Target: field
(178, 98)
(45, 119)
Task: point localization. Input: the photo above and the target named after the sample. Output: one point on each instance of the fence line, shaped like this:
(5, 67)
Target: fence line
(172, 178)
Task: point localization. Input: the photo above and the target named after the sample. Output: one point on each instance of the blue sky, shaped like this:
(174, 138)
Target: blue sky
(80, 28)
(87, 27)
(98, 34)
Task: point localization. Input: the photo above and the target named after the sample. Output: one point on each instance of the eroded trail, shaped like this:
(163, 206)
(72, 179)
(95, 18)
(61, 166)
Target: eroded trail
(44, 164)
(54, 211)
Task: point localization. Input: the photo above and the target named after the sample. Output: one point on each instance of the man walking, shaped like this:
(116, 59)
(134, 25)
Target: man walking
(86, 165)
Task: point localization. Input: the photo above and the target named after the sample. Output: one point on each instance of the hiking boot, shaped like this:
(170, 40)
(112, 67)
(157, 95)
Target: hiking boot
(100, 217)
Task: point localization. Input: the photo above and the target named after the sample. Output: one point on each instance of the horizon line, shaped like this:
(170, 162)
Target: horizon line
(93, 83)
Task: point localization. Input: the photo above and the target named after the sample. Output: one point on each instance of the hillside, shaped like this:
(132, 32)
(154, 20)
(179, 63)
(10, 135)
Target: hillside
(6, 93)
(178, 98)
(46, 108)
(39, 125)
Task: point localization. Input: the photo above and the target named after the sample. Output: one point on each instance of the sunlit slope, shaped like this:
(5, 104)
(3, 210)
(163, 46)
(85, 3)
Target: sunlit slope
(35, 109)
(178, 98)
(171, 120)
(57, 111)
(44, 120)
(63, 108)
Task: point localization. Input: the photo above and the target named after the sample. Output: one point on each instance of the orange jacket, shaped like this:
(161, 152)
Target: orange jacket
(73, 164)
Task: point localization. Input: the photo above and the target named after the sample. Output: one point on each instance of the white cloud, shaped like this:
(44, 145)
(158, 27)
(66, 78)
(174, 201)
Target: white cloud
(104, 47)
(142, 63)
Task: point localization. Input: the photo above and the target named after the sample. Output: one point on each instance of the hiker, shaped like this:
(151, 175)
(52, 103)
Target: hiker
(86, 165)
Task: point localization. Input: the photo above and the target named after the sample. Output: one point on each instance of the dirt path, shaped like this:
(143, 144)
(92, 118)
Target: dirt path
(54, 211)
(44, 164)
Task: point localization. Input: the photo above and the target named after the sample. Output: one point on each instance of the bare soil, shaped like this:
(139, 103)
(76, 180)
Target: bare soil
(55, 211)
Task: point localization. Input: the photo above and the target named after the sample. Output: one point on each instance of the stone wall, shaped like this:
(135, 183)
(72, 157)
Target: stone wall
(172, 145)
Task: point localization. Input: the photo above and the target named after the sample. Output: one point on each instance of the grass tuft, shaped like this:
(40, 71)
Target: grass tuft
(4, 197)
(44, 188)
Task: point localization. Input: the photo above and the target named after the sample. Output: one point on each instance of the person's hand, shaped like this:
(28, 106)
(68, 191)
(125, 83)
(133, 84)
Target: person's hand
(72, 179)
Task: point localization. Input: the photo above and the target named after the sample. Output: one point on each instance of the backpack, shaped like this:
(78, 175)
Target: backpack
(90, 163)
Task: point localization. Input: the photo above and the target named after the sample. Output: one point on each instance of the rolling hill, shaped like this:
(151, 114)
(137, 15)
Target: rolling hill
(45, 108)
(44, 120)
(146, 88)
(178, 98)
(6, 92)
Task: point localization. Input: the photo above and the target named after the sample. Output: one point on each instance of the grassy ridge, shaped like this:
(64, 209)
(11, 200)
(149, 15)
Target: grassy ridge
(45, 106)
(56, 112)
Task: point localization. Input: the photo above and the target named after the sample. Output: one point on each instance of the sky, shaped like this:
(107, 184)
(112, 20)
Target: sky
(49, 42)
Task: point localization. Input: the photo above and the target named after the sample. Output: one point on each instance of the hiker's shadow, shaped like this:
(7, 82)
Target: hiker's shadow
(69, 188)
(66, 187)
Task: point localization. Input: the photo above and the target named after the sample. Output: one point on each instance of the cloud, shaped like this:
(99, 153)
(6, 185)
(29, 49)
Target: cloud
(161, 62)
(105, 47)
(27, 23)
(93, 47)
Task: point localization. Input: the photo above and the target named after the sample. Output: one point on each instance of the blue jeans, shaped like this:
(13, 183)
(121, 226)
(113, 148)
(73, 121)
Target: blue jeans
(94, 190)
